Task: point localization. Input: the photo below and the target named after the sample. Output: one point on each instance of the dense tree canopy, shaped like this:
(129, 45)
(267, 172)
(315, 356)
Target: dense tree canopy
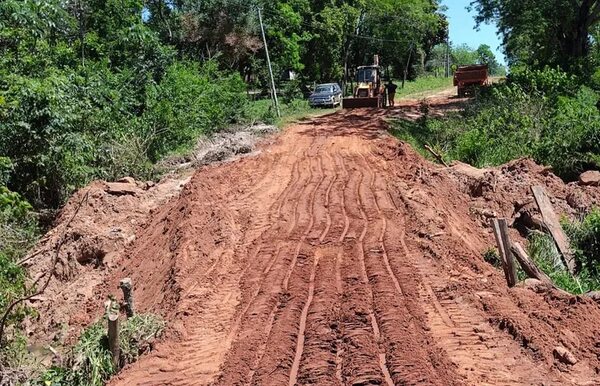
(545, 32)
(102, 88)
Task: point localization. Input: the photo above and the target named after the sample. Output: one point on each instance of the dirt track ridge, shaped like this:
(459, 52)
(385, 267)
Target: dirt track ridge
(307, 265)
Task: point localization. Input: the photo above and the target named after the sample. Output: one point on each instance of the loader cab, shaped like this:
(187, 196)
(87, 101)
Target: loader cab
(367, 74)
(368, 80)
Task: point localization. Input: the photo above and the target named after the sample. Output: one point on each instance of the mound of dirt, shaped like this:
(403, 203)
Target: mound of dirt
(505, 191)
(97, 224)
(455, 232)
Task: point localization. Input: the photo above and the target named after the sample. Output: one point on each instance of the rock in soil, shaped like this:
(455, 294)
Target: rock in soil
(590, 178)
(564, 356)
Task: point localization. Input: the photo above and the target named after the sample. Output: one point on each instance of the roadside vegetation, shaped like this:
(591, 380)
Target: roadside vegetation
(422, 86)
(547, 115)
(90, 362)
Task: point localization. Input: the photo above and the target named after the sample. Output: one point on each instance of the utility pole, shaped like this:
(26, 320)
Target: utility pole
(275, 101)
(447, 55)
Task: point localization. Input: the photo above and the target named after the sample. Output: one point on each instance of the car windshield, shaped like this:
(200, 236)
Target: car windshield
(323, 89)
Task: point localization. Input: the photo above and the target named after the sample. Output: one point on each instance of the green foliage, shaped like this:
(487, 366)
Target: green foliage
(543, 251)
(492, 257)
(463, 55)
(585, 240)
(291, 92)
(137, 336)
(90, 362)
(548, 82)
(545, 32)
(18, 232)
(538, 114)
(190, 101)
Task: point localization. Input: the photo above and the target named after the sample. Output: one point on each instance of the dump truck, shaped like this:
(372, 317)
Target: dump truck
(369, 91)
(466, 78)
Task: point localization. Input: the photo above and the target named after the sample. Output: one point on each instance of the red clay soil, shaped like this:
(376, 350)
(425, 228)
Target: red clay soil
(339, 256)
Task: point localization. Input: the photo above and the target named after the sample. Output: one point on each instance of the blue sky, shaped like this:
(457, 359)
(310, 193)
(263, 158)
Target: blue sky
(462, 28)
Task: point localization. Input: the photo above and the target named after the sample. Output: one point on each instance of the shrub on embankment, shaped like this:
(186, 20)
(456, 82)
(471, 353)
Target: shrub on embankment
(62, 129)
(90, 362)
(544, 114)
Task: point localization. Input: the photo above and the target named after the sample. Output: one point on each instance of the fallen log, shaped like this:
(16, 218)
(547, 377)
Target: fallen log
(528, 265)
(553, 225)
(531, 269)
(436, 155)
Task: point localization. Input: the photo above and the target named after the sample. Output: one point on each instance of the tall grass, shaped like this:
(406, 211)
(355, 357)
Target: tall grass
(90, 362)
(421, 87)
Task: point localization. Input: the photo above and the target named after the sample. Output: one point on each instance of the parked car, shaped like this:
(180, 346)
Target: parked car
(327, 95)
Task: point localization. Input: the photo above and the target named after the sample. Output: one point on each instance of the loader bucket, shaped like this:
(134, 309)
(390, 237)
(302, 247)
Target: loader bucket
(353, 103)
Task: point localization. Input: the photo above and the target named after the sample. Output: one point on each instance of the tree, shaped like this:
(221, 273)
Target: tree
(463, 55)
(487, 57)
(543, 32)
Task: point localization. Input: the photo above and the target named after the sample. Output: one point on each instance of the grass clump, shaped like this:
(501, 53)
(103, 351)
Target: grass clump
(543, 251)
(422, 86)
(585, 241)
(492, 257)
(90, 362)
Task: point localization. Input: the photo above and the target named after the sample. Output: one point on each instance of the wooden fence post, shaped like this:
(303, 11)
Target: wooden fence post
(113, 337)
(503, 241)
(127, 287)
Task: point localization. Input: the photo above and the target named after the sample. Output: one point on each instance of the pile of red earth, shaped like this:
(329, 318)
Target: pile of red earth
(336, 256)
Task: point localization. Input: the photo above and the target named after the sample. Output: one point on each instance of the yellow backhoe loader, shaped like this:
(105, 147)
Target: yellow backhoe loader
(369, 90)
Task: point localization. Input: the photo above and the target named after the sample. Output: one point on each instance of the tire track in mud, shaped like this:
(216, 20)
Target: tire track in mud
(317, 365)
(272, 283)
(410, 362)
(277, 361)
(362, 362)
(482, 355)
(273, 295)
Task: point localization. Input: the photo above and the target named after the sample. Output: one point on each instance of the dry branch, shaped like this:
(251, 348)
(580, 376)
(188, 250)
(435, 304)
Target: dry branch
(436, 155)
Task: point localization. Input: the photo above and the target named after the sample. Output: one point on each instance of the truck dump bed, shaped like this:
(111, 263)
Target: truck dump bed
(466, 76)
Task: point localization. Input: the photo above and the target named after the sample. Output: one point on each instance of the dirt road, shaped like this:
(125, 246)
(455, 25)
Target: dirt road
(338, 256)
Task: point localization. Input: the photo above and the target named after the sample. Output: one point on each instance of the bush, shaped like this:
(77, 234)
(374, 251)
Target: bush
(66, 128)
(190, 101)
(585, 240)
(90, 362)
(18, 232)
(538, 114)
(549, 82)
